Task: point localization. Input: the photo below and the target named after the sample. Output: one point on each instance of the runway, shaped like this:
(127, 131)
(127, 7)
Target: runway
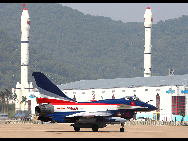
(111, 131)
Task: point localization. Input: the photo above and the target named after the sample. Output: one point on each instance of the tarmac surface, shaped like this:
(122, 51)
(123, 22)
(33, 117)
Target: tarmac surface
(111, 131)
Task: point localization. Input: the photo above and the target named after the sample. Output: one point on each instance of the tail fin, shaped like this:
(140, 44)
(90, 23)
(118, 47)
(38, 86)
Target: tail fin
(46, 87)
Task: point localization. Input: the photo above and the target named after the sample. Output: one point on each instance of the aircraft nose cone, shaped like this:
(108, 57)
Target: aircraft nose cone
(151, 107)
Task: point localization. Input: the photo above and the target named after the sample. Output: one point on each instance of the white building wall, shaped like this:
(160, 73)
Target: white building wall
(186, 100)
(180, 88)
(144, 93)
(165, 103)
(33, 100)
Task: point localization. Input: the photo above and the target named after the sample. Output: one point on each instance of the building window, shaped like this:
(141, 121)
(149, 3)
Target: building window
(113, 91)
(158, 102)
(74, 98)
(83, 92)
(178, 103)
(103, 91)
(123, 91)
(113, 97)
(134, 90)
(146, 90)
(74, 92)
(29, 105)
(93, 91)
(157, 89)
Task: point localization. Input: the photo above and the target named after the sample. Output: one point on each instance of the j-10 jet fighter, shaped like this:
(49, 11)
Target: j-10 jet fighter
(56, 106)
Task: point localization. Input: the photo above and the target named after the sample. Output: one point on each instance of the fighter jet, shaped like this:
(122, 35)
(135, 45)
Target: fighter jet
(55, 106)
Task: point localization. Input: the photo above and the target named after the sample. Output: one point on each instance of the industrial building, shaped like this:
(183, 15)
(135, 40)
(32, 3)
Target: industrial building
(155, 88)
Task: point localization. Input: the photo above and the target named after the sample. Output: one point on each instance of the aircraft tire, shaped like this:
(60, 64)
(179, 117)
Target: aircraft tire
(76, 129)
(95, 128)
(121, 129)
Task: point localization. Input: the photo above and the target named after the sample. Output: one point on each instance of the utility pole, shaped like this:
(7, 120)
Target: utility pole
(171, 72)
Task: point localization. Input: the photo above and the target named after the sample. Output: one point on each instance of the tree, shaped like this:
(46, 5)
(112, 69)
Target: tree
(23, 99)
(5, 95)
(182, 113)
(2, 95)
(8, 95)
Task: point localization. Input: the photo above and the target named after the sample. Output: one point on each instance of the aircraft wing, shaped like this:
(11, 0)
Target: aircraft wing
(92, 114)
(130, 108)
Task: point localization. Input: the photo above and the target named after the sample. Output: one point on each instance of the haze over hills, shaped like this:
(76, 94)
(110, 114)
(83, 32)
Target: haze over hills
(67, 45)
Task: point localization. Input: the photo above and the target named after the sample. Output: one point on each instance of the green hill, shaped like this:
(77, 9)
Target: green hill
(10, 63)
(67, 45)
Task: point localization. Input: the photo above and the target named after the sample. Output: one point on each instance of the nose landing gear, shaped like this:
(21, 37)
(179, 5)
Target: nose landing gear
(122, 129)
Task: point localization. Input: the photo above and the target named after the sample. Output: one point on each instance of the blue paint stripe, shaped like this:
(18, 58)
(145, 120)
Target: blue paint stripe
(24, 41)
(64, 113)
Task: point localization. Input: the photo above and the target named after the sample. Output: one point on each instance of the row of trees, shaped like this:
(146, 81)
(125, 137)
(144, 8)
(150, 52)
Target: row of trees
(5, 96)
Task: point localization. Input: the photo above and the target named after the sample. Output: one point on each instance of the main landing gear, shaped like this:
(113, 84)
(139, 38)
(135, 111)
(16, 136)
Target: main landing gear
(94, 128)
(76, 129)
(122, 129)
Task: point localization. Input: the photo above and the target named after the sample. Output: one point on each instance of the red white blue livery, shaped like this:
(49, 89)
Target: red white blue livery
(56, 106)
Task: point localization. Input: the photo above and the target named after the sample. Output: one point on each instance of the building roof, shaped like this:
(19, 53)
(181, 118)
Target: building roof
(154, 81)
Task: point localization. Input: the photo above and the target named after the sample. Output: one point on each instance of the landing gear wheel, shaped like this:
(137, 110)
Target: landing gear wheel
(76, 129)
(121, 129)
(95, 128)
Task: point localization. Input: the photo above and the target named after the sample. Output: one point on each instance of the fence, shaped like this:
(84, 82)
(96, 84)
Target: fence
(22, 122)
(172, 123)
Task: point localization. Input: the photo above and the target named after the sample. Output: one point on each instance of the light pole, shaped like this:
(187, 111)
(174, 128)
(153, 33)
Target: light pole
(171, 72)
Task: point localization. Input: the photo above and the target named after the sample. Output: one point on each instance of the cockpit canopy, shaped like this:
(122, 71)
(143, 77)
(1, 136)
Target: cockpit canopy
(133, 98)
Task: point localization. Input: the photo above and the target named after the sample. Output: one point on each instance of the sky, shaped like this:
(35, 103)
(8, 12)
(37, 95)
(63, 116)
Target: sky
(132, 12)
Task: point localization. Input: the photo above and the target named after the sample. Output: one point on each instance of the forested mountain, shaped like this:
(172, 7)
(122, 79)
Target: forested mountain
(10, 54)
(67, 45)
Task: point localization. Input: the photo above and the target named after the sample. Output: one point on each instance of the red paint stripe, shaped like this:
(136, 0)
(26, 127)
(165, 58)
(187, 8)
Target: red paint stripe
(58, 108)
(46, 100)
(61, 102)
(82, 104)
